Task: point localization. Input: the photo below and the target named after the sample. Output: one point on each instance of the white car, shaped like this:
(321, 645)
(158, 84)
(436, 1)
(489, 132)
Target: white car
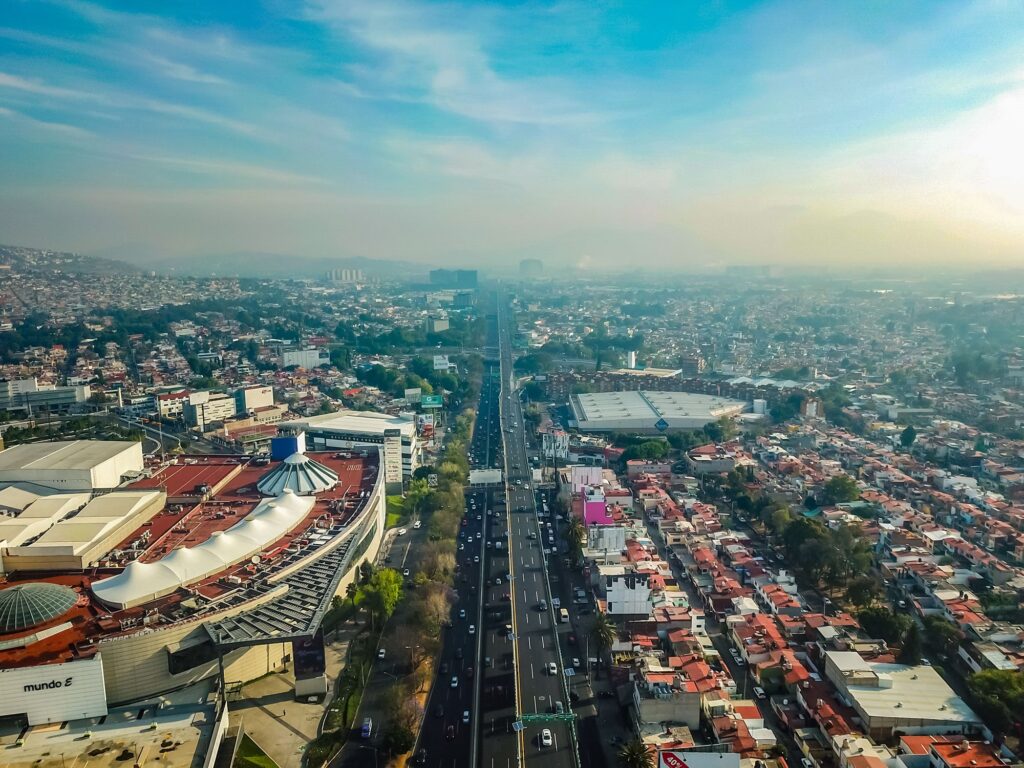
(465, 716)
(545, 738)
(402, 531)
(380, 653)
(472, 629)
(552, 668)
(462, 613)
(418, 524)
(759, 692)
(455, 681)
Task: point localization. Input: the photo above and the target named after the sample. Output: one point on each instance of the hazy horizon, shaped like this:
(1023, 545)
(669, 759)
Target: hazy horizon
(580, 133)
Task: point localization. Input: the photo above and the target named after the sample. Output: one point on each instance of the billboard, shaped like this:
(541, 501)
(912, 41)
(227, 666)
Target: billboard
(678, 758)
(53, 693)
(441, 362)
(413, 394)
(430, 401)
(309, 655)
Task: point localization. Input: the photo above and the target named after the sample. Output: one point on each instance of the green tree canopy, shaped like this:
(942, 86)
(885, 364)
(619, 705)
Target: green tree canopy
(840, 489)
(883, 624)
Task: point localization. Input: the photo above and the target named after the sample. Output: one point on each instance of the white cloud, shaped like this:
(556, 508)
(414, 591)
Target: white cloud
(450, 67)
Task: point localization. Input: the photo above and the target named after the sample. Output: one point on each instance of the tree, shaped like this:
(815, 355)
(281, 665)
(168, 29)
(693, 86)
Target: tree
(862, 590)
(999, 696)
(840, 489)
(604, 633)
(910, 651)
(383, 593)
(883, 624)
(366, 570)
(351, 591)
(398, 739)
(635, 754)
(941, 635)
(721, 431)
(908, 436)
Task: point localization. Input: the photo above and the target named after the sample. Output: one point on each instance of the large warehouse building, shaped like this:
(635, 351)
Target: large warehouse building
(648, 412)
(203, 567)
(356, 429)
(74, 465)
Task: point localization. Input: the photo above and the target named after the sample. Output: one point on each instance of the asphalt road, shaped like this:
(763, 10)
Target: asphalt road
(527, 676)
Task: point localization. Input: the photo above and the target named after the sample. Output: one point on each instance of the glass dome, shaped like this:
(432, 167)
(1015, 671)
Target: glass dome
(28, 605)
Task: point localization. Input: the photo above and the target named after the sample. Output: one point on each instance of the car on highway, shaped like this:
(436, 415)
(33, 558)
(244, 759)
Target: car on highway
(759, 692)
(421, 756)
(542, 605)
(552, 668)
(559, 708)
(465, 716)
(405, 572)
(418, 524)
(380, 653)
(472, 629)
(476, 558)
(449, 733)
(545, 738)
(458, 653)
(402, 531)
(455, 681)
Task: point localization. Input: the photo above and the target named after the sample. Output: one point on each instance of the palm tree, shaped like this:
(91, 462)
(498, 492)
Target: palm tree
(634, 754)
(351, 591)
(604, 634)
(576, 534)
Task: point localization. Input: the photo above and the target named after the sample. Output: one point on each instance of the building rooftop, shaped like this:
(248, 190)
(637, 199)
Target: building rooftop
(913, 693)
(314, 551)
(354, 421)
(68, 455)
(645, 409)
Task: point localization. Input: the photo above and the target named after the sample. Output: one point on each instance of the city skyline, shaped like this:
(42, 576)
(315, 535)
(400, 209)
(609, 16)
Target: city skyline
(470, 134)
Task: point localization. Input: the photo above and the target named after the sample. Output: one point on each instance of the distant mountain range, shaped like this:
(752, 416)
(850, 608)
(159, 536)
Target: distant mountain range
(277, 265)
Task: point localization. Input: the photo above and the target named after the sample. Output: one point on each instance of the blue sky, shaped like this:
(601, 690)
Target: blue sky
(586, 133)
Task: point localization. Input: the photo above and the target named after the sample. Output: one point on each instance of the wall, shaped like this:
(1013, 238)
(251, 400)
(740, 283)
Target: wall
(72, 690)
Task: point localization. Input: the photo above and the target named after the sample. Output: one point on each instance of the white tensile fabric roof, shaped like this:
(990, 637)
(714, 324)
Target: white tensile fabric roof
(299, 473)
(143, 582)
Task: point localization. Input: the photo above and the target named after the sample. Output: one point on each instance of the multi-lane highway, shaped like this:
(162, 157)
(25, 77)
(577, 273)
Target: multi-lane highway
(501, 698)
(450, 732)
(526, 682)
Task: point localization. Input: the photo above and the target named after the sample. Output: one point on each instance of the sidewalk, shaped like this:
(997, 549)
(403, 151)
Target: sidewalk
(283, 726)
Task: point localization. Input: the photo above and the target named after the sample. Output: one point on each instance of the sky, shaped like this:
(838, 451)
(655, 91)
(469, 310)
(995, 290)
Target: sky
(668, 135)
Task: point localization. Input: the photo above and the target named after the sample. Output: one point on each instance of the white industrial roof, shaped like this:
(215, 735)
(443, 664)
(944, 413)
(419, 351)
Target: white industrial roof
(143, 582)
(13, 497)
(97, 518)
(55, 507)
(365, 422)
(644, 409)
(916, 693)
(69, 455)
